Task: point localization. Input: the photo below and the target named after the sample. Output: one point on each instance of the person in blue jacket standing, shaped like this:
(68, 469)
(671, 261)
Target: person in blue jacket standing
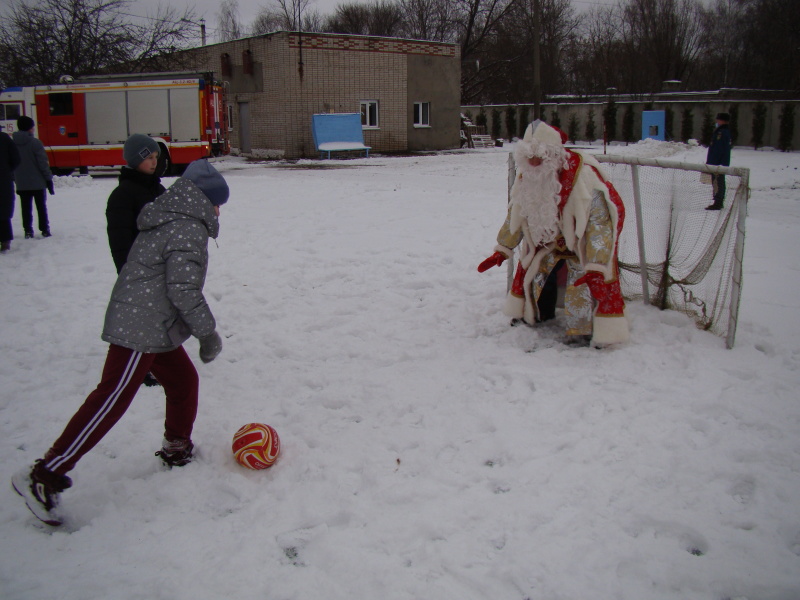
(33, 177)
(719, 153)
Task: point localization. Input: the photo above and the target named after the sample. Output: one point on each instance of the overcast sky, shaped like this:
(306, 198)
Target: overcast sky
(248, 9)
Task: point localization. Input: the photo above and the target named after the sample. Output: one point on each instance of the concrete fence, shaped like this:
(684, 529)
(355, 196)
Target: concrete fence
(687, 119)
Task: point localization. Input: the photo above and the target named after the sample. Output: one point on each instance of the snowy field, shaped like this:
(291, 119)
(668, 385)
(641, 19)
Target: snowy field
(427, 454)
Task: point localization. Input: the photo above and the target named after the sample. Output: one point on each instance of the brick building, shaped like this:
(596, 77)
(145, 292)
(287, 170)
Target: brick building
(407, 91)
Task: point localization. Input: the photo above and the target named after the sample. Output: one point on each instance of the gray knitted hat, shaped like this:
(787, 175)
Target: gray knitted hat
(137, 148)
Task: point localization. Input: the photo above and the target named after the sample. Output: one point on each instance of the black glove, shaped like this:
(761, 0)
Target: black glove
(50, 188)
(210, 347)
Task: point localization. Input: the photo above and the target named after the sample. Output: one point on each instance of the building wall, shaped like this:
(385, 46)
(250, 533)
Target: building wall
(432, 79)
(341, 71)
(296, 75)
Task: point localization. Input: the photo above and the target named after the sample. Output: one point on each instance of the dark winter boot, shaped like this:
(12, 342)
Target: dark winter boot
(5, 246)
(29, 235)
(40, 488)
(46, 233)
(714, 206)
(176, 453)
(150, 381)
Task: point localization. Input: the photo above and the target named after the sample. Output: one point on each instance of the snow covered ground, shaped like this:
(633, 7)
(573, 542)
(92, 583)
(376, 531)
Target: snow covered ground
(426, 453)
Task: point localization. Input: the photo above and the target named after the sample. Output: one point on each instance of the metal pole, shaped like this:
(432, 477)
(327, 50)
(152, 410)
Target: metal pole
(738, 251)
(637, 203)
(537, 73)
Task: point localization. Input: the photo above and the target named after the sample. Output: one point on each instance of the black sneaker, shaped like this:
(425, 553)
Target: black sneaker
(40, 488)
(28, 235)
(176, 453)
(150, 381)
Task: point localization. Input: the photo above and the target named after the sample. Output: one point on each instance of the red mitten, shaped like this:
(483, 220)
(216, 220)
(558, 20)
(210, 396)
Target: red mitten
(594, 280)
(608, 295)
(495, 260)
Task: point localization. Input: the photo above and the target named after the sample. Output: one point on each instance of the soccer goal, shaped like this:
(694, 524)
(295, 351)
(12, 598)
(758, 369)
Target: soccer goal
(673, 253)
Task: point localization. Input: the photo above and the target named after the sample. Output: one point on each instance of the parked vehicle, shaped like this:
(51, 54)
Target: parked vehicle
(84, 123)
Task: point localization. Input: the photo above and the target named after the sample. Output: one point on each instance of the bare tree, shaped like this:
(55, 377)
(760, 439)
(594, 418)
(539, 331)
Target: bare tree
(42, 41)
(666, 35)
(723, 48)
(770, 52)
(292, 12)
(350, 18)
(287, 15)
(598, 57)
(377, 17)
(267, 21)
(476, 23)
(429, 19)
(558, 25)
(228, 25)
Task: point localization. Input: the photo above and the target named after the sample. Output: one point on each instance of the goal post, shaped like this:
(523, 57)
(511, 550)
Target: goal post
(673, 253)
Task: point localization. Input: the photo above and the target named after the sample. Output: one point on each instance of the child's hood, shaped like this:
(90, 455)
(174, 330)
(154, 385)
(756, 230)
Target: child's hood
(182, 201)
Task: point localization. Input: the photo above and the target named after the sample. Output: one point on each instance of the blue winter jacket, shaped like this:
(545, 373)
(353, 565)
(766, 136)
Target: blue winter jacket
(719, 152)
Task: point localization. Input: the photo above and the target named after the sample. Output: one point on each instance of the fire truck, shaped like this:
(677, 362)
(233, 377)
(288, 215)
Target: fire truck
(84, 123)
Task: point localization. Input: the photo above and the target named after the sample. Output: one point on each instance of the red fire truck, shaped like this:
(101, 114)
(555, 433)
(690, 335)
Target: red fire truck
(84, 123)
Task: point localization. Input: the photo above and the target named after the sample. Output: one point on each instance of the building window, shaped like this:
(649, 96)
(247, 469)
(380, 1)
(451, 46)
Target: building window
(247, 62)
(422, 114)
(369, 114)
(230, 117)
(225, 65)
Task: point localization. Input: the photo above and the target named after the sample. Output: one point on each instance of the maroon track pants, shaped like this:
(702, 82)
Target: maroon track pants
(123, 373)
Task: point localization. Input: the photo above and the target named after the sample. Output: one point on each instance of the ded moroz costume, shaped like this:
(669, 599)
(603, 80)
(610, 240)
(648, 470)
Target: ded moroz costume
(563, 210)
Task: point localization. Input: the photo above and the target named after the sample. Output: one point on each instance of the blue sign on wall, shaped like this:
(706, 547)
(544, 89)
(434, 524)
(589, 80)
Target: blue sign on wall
(653, 124)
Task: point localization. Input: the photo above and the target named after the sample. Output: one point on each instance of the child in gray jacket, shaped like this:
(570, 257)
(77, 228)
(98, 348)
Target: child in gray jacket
(157, 303)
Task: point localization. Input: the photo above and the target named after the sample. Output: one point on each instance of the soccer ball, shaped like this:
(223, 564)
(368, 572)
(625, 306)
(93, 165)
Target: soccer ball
(256, 446)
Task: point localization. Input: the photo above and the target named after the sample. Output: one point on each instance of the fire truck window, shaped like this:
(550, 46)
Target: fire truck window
(13, 111)
(61, 104)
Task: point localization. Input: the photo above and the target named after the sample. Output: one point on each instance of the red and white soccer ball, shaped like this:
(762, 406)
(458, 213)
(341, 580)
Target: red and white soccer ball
(256, 446)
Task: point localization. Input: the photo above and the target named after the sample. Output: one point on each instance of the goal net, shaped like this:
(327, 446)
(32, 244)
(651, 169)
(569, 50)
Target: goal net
(673, 253)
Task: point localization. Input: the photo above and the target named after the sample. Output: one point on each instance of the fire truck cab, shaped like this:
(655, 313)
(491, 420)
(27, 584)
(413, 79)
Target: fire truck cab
(85, 123)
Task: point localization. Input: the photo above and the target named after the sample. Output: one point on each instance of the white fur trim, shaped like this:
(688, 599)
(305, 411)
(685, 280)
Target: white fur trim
(539, 130)
(605, 270)
(609, 330)
(507, 252)
(514, 306)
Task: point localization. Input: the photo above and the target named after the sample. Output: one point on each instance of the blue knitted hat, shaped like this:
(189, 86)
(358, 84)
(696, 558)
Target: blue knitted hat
(203, 174)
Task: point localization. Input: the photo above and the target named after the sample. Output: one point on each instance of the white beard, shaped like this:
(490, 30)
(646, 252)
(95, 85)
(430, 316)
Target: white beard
(535, 198)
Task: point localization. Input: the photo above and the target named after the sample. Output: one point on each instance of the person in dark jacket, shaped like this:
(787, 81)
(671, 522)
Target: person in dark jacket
(157, 303)
(719, 153)
(138, 185)
(33, 177)
(9, 161)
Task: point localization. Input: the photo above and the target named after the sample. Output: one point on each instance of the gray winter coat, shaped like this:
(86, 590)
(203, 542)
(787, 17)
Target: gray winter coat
(33, 172)
(158, 302)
